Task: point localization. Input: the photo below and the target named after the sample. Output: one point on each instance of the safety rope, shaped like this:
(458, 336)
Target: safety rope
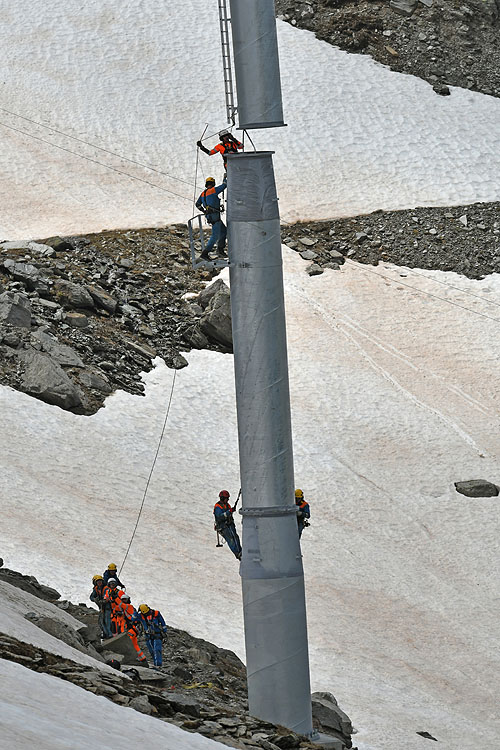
(196, 168)
(422, 291)
(452, 286)
(195, 178)
(363, 267)
(95, 161)
(93, 145)
(150, 473)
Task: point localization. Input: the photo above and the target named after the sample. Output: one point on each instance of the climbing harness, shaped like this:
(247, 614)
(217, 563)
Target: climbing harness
(225, 525)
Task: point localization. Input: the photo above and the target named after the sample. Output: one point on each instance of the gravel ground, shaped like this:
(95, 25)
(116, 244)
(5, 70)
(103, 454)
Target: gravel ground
(464, 239)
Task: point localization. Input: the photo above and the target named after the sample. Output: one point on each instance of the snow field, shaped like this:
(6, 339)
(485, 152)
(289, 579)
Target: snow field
(38, 710)
(394, 397)
(143, 79)
(16, 603)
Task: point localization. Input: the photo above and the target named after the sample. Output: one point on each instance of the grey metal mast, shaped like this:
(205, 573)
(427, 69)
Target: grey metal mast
(271, 568)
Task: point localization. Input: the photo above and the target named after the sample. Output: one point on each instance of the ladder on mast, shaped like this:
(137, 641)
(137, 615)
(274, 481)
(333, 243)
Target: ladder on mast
(224, 22)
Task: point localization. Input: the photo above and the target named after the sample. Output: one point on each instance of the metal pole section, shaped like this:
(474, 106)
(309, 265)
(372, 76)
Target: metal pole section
(271, 567)
(256, 64)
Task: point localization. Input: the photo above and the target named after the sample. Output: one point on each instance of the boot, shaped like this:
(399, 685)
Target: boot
(204, 256)
(221, 253)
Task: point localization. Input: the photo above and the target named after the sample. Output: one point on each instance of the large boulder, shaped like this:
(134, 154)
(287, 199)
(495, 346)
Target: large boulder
(95, 380)
(404, 7)
(325, 710)
(184, 704)
(59, 244)
(216, 320)
(141, 703)
(477, 488)
(205, 296)
(195, 337)
(15, 308)
(122, 645)
(45, 379)
(73, 295)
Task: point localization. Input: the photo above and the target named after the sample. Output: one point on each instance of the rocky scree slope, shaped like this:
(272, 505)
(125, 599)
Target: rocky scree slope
(464, 239)
(447, 43)
(83, 316)
(201, 687)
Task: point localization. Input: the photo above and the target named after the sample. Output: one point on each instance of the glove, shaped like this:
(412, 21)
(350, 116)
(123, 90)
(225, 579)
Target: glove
(198, 143)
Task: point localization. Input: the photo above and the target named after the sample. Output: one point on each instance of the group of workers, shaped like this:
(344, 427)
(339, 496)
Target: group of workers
(117, 615)
(224, 521)
(209, 201)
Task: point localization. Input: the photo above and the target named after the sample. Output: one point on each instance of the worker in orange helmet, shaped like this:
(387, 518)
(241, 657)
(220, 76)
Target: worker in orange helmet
(228, 145)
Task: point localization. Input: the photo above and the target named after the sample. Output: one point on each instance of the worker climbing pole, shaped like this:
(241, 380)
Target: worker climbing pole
(209, 203)
(224, 523)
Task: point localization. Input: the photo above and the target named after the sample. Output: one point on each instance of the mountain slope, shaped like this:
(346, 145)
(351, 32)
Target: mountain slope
(394, 397)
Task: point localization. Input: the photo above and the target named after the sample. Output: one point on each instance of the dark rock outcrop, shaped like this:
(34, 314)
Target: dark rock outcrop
(477, 488)
(29, 584)
(451, 42)
(464, 239)
(200, 688)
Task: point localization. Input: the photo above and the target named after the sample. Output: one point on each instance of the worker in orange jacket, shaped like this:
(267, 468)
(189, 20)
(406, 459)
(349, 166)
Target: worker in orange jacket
(113, 596)
(129, 618)
(228, 145)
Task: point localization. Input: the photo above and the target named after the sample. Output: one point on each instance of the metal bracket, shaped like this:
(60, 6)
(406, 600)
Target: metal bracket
(273, 510)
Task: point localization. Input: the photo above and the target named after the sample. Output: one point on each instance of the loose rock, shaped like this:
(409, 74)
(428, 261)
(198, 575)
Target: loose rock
(15, 308)
(45, 379)
(477, 488)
